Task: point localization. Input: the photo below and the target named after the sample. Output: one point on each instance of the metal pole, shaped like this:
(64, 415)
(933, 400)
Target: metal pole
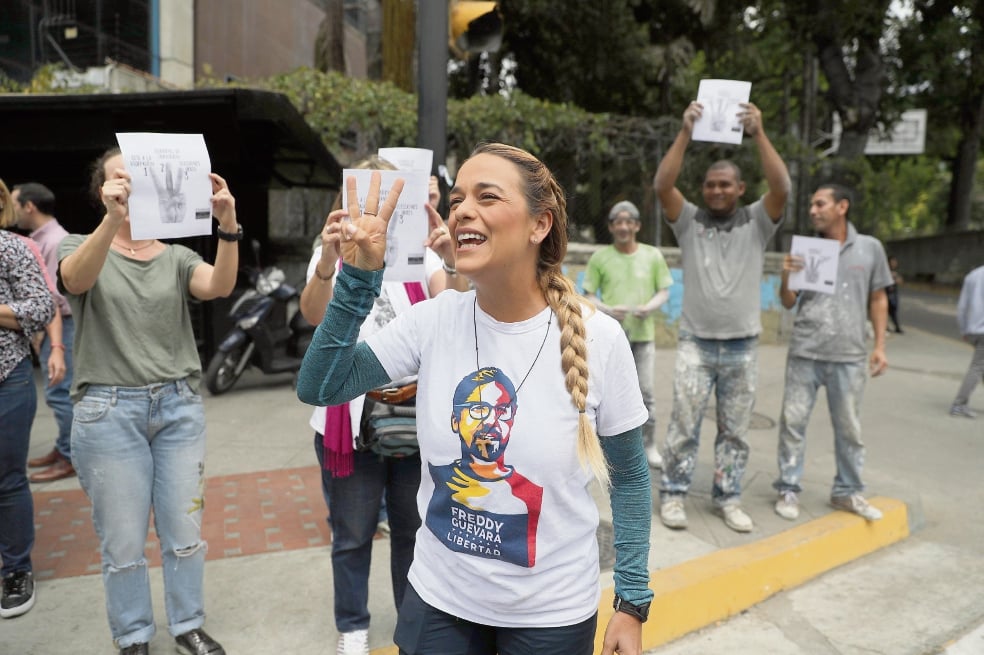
(432, 78)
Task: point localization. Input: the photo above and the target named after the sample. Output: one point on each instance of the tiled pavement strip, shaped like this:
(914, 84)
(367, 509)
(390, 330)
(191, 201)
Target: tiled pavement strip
(246, 514)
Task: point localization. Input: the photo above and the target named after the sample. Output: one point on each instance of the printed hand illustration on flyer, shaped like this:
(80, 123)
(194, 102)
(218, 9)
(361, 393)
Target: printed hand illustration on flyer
(721, 100)
(171, 194)
(819, 264)
(408, 225)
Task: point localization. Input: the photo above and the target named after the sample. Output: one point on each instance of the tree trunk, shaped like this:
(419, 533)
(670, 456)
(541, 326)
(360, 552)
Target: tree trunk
(855, 84)
(329, 46)
(965, 167)
(399, 41)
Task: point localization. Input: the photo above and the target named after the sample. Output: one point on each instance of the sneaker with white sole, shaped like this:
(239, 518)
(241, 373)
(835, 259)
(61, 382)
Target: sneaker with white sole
(962, 410)
(788, 505)
(736, 518)
(18, 594)
(353, 643)
(672, 514)
(653, 456)
(858, 505)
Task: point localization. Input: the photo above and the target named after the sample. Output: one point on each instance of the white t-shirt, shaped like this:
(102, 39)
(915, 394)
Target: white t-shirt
(518, 550)
(392, 301)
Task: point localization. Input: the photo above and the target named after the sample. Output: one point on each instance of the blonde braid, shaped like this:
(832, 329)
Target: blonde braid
(566, 304)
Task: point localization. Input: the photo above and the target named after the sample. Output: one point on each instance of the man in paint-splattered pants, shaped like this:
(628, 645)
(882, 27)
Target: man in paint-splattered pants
(827, 348)
(722, 253)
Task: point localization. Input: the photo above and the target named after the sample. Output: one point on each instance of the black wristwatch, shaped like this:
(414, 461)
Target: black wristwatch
(641, 612)
(230, 236)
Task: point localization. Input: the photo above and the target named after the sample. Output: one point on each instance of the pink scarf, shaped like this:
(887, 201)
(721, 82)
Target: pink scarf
(339, 457)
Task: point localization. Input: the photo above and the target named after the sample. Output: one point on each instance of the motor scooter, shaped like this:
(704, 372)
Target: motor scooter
(268, 331)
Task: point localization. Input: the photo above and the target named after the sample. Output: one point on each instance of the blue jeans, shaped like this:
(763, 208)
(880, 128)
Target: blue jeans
(730, 367)
(845, 385)
(425, 630)
(137, 448)
(57, 396)
(353, 512)
(18, 402)
(644, 354)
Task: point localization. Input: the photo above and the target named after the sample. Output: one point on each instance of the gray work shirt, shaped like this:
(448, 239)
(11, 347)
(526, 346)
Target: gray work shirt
(831, 327)
(722, 270)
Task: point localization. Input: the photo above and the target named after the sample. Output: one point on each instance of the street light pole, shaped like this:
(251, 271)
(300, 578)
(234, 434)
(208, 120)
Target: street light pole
(432, 78)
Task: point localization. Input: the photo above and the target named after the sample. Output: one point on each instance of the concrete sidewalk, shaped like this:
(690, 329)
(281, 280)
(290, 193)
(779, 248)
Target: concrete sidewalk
(268, 579)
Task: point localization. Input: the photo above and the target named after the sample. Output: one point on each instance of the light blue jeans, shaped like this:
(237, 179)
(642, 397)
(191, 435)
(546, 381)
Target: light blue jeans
(845, 385)
(730, 368)
(644, 354)
(56, 396)
(137, 448)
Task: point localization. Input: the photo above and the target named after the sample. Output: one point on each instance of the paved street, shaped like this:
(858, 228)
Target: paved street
(925, 595)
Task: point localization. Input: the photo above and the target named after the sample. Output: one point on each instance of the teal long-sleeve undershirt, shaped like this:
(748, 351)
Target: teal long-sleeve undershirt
(631, 501)
(338, 368)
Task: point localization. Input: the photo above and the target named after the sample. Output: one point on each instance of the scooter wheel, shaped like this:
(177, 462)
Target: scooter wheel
(221, 372)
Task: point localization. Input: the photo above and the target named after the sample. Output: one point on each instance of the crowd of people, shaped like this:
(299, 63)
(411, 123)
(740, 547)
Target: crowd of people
(509, 383)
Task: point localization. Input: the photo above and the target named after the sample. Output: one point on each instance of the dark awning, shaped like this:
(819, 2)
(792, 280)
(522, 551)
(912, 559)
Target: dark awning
(256, 140)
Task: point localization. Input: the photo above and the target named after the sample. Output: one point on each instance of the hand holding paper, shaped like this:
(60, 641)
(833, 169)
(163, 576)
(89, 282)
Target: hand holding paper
(812, 264)
(115, 194)
(723, 111)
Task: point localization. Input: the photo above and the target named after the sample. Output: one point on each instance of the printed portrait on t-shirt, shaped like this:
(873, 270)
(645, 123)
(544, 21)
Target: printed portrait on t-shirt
(481, 506)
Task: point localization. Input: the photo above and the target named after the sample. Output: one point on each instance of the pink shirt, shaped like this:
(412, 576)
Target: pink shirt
(48, 237)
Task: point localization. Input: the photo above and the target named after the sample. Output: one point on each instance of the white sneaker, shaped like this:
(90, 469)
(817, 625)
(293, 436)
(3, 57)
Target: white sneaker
(353, 643)
(788, 505)
(857, 504)
(962, 410)
(652, 454)
(672, 514)
(736, 518)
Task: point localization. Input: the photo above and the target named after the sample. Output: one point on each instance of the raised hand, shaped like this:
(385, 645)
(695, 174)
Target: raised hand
(330, 252)
(362, 232)
(115, 193)
(750, 117)
(223, 204)
(691, 114)
(439, 238)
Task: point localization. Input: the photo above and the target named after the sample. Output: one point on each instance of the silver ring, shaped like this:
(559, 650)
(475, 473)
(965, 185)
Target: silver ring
(368, 213)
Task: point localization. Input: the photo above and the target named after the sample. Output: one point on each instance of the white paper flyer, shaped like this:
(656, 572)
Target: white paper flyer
(721, 102)
(819, 264)
(408, 225)
(171, 194)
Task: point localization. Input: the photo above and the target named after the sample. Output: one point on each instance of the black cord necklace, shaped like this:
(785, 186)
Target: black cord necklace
(542, 343)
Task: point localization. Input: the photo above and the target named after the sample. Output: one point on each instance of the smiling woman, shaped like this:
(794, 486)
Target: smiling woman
(532, 380)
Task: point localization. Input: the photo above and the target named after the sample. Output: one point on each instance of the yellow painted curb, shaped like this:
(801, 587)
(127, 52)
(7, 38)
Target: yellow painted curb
(698, 592)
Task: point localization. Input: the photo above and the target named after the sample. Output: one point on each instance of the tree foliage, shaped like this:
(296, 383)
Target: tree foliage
(943, 53)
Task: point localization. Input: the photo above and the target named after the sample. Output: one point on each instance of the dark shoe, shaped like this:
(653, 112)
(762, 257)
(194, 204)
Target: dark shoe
(18, 594)
(62, 468)
(135, 649)
(44, 460)
(197, 642)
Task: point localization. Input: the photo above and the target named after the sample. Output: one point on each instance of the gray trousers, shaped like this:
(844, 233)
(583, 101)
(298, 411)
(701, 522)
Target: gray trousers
(974, 372)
